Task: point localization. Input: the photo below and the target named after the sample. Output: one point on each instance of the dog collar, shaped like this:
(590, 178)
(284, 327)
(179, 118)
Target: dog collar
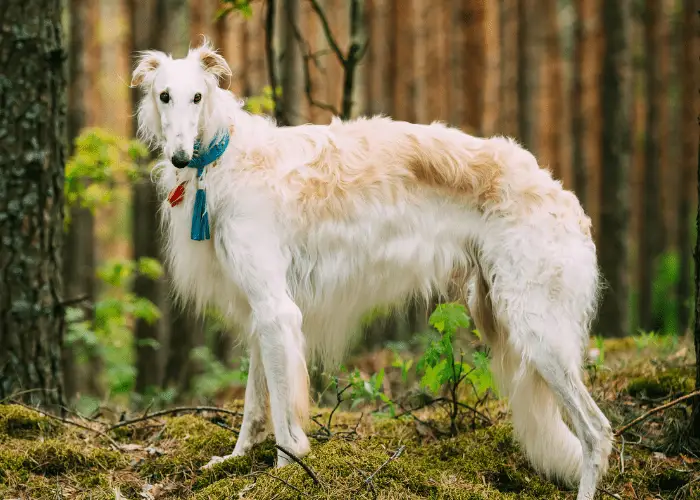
(200, 159)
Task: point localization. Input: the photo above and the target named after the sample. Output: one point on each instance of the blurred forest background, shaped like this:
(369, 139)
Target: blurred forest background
(529, 69)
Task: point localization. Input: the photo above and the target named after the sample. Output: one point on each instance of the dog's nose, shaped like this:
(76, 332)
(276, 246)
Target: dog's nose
(180, 159)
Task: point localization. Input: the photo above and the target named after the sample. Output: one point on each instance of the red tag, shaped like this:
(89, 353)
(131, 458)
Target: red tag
(177, 194)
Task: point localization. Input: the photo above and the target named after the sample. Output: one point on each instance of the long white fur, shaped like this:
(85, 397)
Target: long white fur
(312, 226)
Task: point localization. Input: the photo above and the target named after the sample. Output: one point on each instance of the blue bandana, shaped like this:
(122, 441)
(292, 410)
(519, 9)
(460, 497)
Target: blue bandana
(200, 159)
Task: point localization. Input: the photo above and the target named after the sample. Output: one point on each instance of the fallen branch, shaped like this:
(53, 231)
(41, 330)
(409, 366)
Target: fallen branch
(195, 409)
(609, 493)
(70, 422)
(396, 455)
(298, 460)
(653, 411)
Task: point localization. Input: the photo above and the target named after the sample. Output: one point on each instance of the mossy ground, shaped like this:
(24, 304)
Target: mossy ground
(161, 458)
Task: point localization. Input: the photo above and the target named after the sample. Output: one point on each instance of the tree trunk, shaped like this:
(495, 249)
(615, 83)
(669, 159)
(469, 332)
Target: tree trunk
(690, 105)
(378, 57)
(290, 67)
(79, 250)
(695, 417)
(551, 95)
(150, 24)
(591, 105)
(32, 160)
(651, 237)
(473, 64)
(613, 320)
(578, 162)
(510, 113)
(528, 57)
(402, 63)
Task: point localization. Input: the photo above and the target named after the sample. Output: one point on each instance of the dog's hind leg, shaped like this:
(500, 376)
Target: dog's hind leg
(592, 427)
(536, 363)
(255, 419)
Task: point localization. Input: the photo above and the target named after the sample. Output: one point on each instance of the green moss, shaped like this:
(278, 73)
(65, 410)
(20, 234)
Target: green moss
(54, 457)
(661, 384)
(194, 441)
(20, 422)
(223, 489)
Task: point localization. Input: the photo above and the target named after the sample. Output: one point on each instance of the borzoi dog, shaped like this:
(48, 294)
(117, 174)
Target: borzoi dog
(296, 232)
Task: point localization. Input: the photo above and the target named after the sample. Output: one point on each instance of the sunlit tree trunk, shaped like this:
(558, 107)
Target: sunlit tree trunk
(551, 96)
(32, 145)
(615, 84)
(509, 29)
(472, 38)
(378, 57)
(591, 64)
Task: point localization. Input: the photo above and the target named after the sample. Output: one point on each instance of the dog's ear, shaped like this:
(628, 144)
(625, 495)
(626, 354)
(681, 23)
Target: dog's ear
(211, 60)
(147, 62)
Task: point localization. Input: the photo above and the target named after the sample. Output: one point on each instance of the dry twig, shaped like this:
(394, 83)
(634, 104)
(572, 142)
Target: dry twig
(653, 411)
(396, 455)
(195, 409)
(298, 460)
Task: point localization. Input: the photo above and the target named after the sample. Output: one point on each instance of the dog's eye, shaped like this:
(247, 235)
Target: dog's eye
(197, 97)
(165, 97)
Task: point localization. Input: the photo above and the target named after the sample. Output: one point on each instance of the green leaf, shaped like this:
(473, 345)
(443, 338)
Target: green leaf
(146, 310)
(150, 268)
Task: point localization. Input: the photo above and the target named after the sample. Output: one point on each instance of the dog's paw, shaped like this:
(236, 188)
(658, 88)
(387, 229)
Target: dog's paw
(215, 460)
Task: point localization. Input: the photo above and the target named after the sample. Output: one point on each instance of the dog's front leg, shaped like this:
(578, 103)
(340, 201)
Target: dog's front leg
(255, 422)
(257, 265)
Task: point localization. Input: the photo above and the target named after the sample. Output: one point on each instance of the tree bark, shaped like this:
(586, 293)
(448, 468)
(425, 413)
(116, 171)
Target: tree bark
(32, 145)
(473, 63)
(510, 113)
(291, 64)
(529, 61)
(613, 320)
(551, 95)
(378, 57)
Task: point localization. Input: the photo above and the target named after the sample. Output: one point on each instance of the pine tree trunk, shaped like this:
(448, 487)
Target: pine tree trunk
(551, 95)
(690, 99)
(690, 35)
(32, 143)
(149, 27)
(613, 320)
(289, 53)
(651, 222)
(578, 162)
(79, 249)
(510, 113)
(473, 63)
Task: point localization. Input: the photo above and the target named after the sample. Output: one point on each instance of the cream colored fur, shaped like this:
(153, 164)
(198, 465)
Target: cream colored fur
(312, 226)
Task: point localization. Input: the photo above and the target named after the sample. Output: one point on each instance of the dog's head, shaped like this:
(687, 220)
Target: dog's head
(176, 98)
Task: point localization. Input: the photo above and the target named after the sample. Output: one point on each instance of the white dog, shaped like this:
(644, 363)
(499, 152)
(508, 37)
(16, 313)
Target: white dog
(313, 226)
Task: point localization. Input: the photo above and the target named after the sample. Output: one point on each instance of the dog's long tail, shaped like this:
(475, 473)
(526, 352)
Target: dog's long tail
(537, 421)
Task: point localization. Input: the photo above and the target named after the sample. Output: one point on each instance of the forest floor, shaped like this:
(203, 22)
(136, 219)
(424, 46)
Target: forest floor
(360, 455)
